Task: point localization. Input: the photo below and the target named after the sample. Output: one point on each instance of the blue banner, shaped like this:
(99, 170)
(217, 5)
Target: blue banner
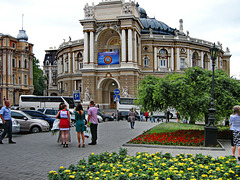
(108, 58)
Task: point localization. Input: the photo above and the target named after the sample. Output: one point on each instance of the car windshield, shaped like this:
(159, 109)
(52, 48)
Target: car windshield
(51, 111)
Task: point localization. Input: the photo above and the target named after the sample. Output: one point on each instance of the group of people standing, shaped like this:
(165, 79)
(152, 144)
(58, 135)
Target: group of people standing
(64, 124)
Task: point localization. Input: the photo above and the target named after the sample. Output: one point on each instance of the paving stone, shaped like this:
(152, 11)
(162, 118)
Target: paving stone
(35, 155)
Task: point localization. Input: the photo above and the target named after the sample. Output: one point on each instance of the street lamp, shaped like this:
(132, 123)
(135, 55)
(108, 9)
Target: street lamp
(210, 130)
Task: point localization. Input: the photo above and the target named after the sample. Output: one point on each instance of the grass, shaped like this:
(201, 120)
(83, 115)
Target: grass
(172, 127)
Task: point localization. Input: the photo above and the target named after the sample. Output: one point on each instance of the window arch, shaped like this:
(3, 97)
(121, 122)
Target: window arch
(25, 64)
(80, 60)
(205, 61)
(194, 59)
(163, 55)
(163, 52)
(146, 61)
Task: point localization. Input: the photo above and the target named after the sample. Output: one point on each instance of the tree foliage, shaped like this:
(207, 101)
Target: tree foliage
(190, 93)
(38, 78)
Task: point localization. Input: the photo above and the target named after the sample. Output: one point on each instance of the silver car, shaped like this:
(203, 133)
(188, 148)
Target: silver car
(28, 123)
(15, 126)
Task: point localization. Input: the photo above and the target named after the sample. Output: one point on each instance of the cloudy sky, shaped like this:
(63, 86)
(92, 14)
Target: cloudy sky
(48, 22)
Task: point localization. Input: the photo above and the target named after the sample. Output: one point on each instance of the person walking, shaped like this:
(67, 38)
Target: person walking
(92, 118)
(178, 117)
(64, 124)
(235, 129)
(132, 115)
(5, 115)
(80, 124)
(146, 115)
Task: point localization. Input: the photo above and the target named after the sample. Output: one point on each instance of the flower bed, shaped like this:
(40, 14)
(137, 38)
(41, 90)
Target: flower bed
(177, 138)
(146, 166)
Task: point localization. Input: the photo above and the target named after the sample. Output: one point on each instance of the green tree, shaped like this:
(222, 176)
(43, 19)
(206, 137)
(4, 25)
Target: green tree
(190, 93)
(38, 78)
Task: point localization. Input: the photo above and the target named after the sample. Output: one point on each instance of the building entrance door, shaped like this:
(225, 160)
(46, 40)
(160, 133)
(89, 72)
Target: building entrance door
(112, 103)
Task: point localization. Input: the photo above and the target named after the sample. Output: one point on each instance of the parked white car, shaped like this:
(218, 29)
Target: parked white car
(29, 124)
(15, 126)
(100, 119)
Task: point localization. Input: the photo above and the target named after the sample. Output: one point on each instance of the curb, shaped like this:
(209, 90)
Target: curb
(176, 147)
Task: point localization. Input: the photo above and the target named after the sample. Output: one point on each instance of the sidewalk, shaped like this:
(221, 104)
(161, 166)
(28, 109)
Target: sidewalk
(35, 155)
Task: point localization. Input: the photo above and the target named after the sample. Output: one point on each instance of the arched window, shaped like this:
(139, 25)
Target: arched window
(19, 63)
(25, 64)
(194, 59)
(205, 62)
(80, 60)
(13, 63)
(55, 62)
(146, 61)
(19, 80)
(163, 58)
(25, 79)
(47, 63)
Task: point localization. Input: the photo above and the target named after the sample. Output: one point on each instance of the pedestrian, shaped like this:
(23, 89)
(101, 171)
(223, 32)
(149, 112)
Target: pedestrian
(167, 115)
(146, 115)
(92, 118)
(5, 115)
(141, 117)
(64, 124)
(178, 117)
(80, 124)
(235, 129)
(131, 116)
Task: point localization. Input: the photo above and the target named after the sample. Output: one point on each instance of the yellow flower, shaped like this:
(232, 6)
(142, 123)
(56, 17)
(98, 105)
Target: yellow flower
(52, 172)
(61, 167)
(67, 171)
(97, 178)
(168, 178)
(130, 175)
(92, 153)
(71, 177)
(97, 172)
(155, 174)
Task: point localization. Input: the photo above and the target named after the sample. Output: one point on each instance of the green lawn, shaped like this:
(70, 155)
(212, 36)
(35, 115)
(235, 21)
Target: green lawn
(172, 126)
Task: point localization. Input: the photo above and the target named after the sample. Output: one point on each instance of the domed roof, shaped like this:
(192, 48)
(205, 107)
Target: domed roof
(142, 11)
(157, 27)
(22, 36)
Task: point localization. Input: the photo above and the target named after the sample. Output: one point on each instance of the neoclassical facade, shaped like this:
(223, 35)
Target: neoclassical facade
(121, 45)
(16, 61)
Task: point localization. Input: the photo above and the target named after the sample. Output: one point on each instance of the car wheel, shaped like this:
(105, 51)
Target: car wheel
(35, 129)
(106, 119)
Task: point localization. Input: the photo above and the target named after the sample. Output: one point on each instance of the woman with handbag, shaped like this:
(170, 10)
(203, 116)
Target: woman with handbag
(80, 124)
(131, 116)
(64, 124)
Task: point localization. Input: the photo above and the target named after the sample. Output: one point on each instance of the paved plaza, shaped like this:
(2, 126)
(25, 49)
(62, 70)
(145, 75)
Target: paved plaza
(35, 155)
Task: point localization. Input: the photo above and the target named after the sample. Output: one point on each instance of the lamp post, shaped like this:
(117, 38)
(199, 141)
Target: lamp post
(210, 130)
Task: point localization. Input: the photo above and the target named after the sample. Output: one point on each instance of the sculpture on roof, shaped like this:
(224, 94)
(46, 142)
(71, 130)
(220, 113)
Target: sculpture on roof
(89, 11)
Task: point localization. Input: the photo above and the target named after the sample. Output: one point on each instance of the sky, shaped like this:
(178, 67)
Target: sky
(48, 22)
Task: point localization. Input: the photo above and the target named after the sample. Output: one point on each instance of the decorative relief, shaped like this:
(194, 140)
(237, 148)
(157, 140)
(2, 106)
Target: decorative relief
(89, 11)
(87, 96)
(125, 92)
(126, 8)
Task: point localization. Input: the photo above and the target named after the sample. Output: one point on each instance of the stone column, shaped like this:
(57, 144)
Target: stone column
(85, 58)
(123, 45)
(155, 59)
(140, 52)
(172, 59)
(74, 63)
(202, 57)
(69, 62)
(130, 45)
(91, 47)
(135, 47)
(178, 59)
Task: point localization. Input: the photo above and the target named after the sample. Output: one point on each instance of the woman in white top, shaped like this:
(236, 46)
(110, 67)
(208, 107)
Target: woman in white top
(235, 128)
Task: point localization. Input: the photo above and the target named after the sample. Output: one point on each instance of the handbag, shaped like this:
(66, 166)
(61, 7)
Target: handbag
(86, 133)
(55, 125)
(129, 119)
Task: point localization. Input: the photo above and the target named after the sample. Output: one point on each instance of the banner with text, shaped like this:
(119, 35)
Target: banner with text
(108, 58)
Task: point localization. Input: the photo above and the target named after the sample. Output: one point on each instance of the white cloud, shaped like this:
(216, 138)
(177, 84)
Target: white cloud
(48, 22)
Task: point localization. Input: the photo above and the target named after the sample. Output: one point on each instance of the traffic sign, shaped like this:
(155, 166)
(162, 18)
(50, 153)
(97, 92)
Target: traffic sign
(116, 98)
(76, 96)
(116, 91)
